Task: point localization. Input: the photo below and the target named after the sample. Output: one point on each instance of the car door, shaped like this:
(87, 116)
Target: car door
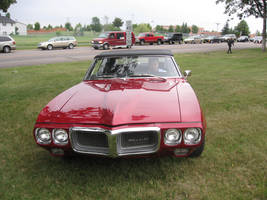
(149, 38)
(121, 40)
(57, 42)
(112, 39)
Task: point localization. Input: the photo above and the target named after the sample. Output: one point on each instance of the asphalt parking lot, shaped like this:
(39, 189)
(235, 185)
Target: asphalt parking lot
(37, 57)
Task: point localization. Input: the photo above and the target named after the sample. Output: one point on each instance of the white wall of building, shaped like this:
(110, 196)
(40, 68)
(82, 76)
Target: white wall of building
(7, 29)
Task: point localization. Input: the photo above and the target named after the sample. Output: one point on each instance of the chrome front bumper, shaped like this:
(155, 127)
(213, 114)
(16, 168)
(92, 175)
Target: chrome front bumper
(142, 140)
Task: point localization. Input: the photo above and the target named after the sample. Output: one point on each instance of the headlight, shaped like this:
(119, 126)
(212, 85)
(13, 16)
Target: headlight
(100, 42)
(192, 136)
(60, 136)
(43, 136)
(173, 137)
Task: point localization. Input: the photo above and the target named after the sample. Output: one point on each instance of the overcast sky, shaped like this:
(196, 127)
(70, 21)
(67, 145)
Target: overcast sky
(203, 13)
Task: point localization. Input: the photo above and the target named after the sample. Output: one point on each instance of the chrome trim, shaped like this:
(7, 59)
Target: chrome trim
(84, 150)
(114, 141)
(137, 150)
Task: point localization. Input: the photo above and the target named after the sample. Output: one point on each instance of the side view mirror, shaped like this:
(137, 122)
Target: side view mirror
(187, 73)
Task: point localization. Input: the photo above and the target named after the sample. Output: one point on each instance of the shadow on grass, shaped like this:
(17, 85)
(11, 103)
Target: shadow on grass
(83, 169)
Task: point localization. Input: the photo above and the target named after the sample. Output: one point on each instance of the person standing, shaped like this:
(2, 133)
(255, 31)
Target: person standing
(230, 42)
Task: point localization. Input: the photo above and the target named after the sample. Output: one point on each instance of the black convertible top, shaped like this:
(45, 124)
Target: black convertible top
(134, 53)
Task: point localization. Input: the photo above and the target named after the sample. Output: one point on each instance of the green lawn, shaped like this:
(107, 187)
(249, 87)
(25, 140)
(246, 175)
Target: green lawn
(32, 41)
(232, 90)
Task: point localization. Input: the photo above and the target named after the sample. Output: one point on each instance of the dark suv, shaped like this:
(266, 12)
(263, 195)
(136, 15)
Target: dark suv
(171, 38)
(7, 43)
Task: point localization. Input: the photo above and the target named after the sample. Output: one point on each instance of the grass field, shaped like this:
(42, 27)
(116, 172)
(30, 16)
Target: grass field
(232, 90)
(32, 41)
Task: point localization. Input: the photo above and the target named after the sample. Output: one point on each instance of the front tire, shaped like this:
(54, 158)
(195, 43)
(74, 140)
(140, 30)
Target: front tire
(142, 42)
(71, 46)
(105, 46)
(49, 47)
(159, 42)
(6, 49)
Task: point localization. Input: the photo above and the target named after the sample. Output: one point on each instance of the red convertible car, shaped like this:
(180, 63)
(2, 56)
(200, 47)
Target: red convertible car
(131, 103)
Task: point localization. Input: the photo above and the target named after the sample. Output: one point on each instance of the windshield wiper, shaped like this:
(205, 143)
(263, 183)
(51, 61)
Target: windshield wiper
(147, 75)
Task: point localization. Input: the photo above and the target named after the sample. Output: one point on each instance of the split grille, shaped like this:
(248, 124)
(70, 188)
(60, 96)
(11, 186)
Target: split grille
(130, 141)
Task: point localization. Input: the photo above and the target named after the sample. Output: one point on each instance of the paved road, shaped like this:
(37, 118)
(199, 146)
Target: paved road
(36, 57)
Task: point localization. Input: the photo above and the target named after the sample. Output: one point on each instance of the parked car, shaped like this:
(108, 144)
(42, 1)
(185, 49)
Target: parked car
(258, 39)
(130, 103)
(228, 37)
(212, 39)
(150, 38)
(251, 39)
(59, 42)
(171, 38)
(242, 38)
(193, 40)
(115, 39)
(7, 44)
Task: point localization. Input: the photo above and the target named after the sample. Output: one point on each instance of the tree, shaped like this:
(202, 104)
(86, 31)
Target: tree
(110, 27)
(245, 8)
(170, 28)
(68, 26)
(178, 28)
(159, 29)
(95, 25)
(29, 27)
(8, 15)
(88, 28)
(37, 26)
(78, 31)
(117, 22)
(194, 29)
(4, 4)
(49, 27)
(184, 28)
(226, 29)
(242, 28)
(142, 28)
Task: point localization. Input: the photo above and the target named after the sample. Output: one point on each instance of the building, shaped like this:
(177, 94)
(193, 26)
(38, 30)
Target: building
(21, 28)
(9, 26)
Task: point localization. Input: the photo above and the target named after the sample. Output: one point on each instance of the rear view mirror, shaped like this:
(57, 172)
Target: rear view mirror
(187, 73)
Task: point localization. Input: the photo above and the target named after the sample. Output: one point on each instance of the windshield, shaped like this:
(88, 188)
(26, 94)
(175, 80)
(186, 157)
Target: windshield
(103, 35)
(52, 40)
(133, 66)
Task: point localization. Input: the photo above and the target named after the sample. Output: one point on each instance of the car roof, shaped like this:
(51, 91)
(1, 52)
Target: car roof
(135, 53)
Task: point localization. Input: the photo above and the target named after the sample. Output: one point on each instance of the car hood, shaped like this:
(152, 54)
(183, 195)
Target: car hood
(116, 102)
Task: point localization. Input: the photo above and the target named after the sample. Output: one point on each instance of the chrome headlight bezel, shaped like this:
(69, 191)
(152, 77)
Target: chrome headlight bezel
(192, 136)
(172, 137)
(60, 136)
(45, 139)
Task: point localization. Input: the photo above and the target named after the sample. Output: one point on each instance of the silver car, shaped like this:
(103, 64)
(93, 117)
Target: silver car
(7, 44)
(193, 40)
(59, 42)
